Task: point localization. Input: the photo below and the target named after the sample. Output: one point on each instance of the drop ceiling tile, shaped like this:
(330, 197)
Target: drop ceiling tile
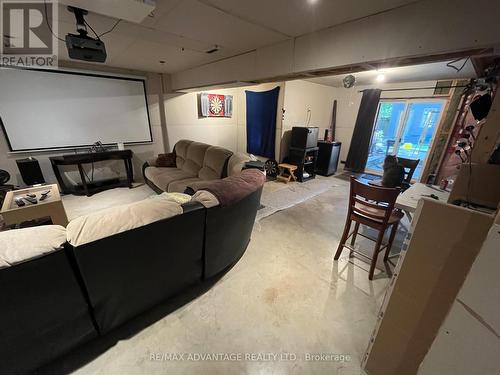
(195, 20)
(147, 55)
(298, 17)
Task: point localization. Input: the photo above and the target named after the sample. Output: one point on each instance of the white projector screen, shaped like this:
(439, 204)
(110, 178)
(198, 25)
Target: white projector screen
(42, 110)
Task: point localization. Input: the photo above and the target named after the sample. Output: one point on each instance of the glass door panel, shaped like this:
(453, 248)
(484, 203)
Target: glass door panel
(418, 130)
(385, 133)
(404, 128)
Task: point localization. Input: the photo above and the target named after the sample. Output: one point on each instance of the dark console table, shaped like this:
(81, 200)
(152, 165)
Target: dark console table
(89, 188)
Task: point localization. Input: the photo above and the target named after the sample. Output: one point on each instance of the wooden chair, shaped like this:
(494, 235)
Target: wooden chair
(409, 165)
(372, 206)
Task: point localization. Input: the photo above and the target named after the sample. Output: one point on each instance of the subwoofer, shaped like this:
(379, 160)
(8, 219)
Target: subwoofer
(30, 171)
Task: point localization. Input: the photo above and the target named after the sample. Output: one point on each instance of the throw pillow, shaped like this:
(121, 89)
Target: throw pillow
(166, 160)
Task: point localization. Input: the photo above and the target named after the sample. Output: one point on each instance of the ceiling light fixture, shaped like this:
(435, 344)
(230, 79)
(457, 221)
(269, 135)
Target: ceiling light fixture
(380, 78)
(312, 2)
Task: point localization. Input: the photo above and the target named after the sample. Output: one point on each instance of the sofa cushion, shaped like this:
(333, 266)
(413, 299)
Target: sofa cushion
(214, 163)
(163, 177)
(194, 158)
(236, 163)
(19, 245)
(181, 149)
(233, 188)
(181, 185)
(114, 220)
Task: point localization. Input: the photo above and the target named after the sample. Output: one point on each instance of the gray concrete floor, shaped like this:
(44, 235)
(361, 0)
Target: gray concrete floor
(285, 295)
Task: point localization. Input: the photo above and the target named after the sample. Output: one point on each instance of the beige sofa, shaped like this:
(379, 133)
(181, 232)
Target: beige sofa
(195, 162)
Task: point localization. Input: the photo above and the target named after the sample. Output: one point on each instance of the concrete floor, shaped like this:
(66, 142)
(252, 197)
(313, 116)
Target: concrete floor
(286, 295)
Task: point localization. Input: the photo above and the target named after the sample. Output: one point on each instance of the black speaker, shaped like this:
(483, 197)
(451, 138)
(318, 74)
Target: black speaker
(303, 137)
(30, 171)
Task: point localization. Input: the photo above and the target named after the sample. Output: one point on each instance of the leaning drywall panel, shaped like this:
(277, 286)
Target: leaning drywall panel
(442, 248)
(463, 346)
(481, 290)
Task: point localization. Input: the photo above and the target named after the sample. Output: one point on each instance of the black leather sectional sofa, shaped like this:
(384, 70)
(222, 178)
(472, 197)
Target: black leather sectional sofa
(54, 303)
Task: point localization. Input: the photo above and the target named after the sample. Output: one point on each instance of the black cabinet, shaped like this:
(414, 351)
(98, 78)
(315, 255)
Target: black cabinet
(305, 160)
(328, 158)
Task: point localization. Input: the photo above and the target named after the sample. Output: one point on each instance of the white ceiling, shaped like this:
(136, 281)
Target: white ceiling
(181, 31)
(413, 73)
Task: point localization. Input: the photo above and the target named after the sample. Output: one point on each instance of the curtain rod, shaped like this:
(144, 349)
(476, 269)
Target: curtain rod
(420, 88)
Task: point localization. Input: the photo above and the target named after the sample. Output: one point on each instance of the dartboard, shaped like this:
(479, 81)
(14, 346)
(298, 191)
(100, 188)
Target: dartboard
(216, 105)
(271, 167)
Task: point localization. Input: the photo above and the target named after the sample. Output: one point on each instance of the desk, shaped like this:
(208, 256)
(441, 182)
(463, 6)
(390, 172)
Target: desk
(92, 187)
(51, 207)
(408, 200)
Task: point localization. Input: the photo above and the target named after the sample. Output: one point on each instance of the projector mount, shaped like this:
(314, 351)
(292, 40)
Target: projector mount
(81, 46)
(81, 26)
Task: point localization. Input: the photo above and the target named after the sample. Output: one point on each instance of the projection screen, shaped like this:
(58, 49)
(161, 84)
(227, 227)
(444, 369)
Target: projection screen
(60, 109)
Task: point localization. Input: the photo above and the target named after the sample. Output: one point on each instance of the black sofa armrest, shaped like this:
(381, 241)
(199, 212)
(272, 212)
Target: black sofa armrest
(192, 206)
(147, 181)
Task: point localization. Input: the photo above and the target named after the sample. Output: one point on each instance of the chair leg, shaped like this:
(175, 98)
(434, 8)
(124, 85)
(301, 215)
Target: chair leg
(353, 238)
(391, 240)
(375, 254)
(347, 227)
(356, 228)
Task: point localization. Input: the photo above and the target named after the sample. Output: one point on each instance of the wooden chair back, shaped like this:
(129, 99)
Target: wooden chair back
(409, 165)
(372, 202)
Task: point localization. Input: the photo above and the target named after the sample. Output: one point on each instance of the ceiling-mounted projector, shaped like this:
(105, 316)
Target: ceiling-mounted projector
(81, 46)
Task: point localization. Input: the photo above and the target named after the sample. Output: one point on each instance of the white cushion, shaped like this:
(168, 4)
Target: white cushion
(19, 245)
(206, 198)
(179, 198)
(105, 223)
(236, 163)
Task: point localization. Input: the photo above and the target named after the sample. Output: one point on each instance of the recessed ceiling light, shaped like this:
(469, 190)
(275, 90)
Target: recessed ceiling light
(312, 2)
(380, 78)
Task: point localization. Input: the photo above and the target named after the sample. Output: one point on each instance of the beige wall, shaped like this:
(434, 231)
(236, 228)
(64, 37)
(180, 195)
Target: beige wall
(105, 169)
(302, 97)
(307, 104)
(183, 122)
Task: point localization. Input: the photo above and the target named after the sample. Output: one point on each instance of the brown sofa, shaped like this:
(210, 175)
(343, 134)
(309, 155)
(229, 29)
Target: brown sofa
(194, 162)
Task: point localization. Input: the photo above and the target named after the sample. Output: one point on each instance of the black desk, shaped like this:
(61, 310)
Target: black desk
(92, 187)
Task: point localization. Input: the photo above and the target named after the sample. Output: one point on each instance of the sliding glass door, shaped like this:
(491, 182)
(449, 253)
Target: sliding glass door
(404, 128)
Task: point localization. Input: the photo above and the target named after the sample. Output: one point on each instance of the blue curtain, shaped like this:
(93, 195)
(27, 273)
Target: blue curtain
(262, 110)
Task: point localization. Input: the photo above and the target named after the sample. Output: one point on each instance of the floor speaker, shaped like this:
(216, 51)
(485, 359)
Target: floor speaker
(30, 171)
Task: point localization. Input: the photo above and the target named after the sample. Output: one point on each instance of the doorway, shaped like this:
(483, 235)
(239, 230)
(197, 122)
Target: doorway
(406, 128)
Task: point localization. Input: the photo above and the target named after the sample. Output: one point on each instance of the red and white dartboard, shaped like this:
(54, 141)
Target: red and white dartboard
(216, 105)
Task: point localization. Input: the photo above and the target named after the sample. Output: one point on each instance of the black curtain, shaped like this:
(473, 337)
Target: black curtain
(360, 142)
